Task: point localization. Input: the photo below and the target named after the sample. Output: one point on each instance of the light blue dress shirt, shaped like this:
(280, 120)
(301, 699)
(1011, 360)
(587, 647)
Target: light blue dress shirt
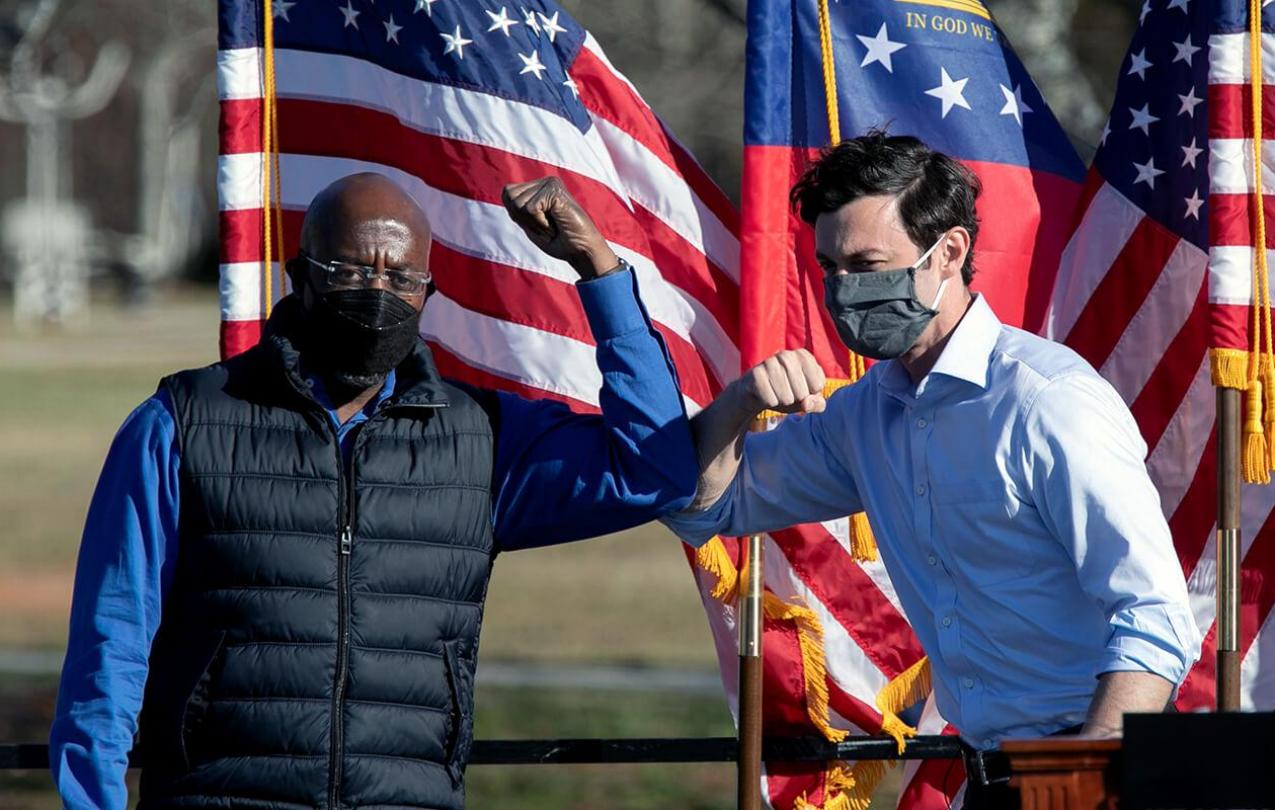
(1014, 514)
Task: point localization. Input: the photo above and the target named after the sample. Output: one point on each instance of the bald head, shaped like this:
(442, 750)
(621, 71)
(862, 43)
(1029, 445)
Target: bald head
(367, 219)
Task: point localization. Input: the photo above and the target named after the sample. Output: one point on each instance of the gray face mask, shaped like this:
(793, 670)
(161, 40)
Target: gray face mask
(877, 314)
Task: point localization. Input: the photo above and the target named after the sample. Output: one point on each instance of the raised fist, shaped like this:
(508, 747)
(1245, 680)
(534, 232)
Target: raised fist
(556, 224)
(789, 382)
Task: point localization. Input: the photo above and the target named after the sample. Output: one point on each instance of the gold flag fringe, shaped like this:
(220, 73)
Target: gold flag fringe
(863, 546)
(908, 688)
(713, 559)
(846, 787)
(813, 664)
(1268, 401)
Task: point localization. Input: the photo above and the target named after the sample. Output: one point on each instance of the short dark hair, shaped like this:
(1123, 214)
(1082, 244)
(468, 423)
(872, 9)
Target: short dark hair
(935, 192)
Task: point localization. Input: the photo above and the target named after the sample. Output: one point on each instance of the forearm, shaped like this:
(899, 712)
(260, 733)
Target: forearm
(563, 476)
(719, 432)
(1120, 693)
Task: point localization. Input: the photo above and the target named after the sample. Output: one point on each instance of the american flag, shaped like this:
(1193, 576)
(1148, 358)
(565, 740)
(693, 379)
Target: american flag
(453, 99)
(1159, 270)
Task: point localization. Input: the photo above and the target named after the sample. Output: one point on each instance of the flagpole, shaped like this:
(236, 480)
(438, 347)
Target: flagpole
(1228, 550)
(750, 678)
(749, 619)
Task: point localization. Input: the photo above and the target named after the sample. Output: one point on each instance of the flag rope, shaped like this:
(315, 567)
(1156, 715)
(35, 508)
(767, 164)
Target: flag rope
(863, 546)
(1253, 371)
(829, 74)
(271, 204)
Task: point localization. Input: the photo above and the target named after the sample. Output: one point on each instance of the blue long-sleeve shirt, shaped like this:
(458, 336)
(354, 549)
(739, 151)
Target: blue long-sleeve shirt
(558, 476)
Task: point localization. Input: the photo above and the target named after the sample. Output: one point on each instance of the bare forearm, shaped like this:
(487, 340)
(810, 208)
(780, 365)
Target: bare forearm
(1121, 692)
(789, 382)
(719, 433)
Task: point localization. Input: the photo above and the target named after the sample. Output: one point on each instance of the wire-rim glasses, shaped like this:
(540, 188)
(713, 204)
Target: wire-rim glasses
(339, 275)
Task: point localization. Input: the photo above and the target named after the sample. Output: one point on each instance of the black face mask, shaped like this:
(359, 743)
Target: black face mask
(355, 337)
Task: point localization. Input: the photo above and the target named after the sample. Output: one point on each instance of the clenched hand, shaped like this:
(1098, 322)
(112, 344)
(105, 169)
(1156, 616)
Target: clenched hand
(789, 382)
(556, 224)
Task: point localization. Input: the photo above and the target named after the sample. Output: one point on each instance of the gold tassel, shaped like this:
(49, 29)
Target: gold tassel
(713, 558)
(1256, 466)
(863, 546)
(1268, 414)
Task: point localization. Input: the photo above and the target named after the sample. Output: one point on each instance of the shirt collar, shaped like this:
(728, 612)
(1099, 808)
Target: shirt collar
(968, 352)
(966, 356)
(373, 405)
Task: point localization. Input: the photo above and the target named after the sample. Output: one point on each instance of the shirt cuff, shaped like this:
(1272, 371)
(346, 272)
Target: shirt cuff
(1158, 640)
(697, 527)
(612, 305)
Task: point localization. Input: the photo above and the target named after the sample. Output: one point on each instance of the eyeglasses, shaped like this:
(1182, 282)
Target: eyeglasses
(341, 275)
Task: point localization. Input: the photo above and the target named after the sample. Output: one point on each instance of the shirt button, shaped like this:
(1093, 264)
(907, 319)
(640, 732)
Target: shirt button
(969, 683)
(947, 622)
(921, 423)
(920, 490)
(932, 560)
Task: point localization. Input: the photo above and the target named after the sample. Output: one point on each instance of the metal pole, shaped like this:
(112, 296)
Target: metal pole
(750, 678)
(1228, 550)
(751, 583)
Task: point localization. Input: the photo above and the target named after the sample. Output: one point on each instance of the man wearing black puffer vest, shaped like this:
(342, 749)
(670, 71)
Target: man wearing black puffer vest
(283, 570)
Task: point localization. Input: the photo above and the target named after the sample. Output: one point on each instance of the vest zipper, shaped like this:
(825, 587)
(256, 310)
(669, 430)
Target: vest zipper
(345, 545)
(342, 664)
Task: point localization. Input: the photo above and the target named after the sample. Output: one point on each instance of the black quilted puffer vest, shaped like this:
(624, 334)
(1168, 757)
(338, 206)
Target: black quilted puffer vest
(318, 642)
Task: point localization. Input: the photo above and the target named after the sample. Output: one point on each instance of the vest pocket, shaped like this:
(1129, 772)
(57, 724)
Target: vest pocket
(195, 705)
(460, 687)
(176, 697)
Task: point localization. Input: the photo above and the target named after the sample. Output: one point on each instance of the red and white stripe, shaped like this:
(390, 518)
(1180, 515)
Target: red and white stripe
(505, 315)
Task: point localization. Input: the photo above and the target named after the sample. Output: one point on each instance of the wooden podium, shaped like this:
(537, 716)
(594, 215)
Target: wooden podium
(1061, 773)
(1164, 761)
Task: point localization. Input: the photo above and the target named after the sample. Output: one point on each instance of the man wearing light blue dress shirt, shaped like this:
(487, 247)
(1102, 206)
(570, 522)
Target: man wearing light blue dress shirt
(1004, 478)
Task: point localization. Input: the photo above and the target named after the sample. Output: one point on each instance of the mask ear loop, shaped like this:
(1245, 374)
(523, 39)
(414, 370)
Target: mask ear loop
(921, 261)
(939, 296)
